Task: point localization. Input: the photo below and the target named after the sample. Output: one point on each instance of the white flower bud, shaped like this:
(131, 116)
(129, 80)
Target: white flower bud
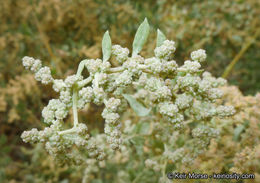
(71, 80)
(154, 64)
(55, 109)
(204, 86)
(58, 85)
(214, 94)
(132, 64)
(111, 118)
(65, 97)
(82, 129)
(30, 136)
(199, 55)
(86, 94)
(163, 93)
(190, 66)
(166, 50)
(36, 65)
(112, 104)
(188, 81)
(224, 111)
(27, 62)
(153, 84)
(183, 101)
(125, 78)
(44, 75)
(48, 115)
(167, 108)
(99, 95)
(120, 53)
(169, 67)
(221, 82)
(93, 65)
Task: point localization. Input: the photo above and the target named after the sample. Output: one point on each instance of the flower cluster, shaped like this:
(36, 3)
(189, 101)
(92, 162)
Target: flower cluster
(176, 99)
(42, 74)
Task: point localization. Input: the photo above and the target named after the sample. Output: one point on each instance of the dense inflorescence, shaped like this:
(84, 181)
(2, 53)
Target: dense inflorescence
(177, 100)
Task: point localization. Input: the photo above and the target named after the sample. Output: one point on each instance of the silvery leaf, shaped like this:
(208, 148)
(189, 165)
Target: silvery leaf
(106, 46)
(139, 109)
(160, 38)
(140, 37)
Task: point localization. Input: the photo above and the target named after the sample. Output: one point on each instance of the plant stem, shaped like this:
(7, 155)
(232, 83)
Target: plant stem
(115, 69)
(74, 106)
(84, 82)
(239, 55)
(71, 130)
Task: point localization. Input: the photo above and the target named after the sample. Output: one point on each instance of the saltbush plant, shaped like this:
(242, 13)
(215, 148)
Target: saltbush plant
(174, 109)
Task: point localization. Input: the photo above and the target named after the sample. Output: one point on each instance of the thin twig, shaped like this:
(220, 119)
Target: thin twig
(240, 54)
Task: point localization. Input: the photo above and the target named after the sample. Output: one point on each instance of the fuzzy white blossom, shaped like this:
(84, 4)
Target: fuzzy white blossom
(30, 136)
(166, 50)
(44, 75)
(176, 120)
(58, 85)
(168, 109)
(54, 110)
(65, 97)
(93, 65)
(224, 111)
(183, 101)
(154, 64)
(131, 64)
(125, 78)
(120, 53)
(214, 93)
(36, 65)
(204, 86)
(86, 94)
(169, 67)
(153, 84)
(204, 132)
(99, 95)
(188, 81)
(112, 104)
(82, 129)
(190, 66)
(199, 55)
(163, 93)
(71, 80)
(28, 62)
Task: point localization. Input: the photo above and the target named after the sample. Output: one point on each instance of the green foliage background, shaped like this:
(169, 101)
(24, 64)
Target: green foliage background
(62, 33)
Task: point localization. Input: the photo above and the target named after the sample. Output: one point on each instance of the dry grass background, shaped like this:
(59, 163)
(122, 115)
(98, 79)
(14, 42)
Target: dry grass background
(61, 33)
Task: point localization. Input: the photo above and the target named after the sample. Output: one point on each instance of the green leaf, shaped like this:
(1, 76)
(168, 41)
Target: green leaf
(140, 37)
(160, 38)
(106, 46)
(139, 109)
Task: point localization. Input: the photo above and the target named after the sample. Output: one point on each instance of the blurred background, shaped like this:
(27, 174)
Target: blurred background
(63, 32)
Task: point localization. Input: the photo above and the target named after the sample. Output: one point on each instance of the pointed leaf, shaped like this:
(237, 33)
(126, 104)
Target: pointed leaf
(106, 46)
(140, 37)
(139, 109)
(160, 38)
